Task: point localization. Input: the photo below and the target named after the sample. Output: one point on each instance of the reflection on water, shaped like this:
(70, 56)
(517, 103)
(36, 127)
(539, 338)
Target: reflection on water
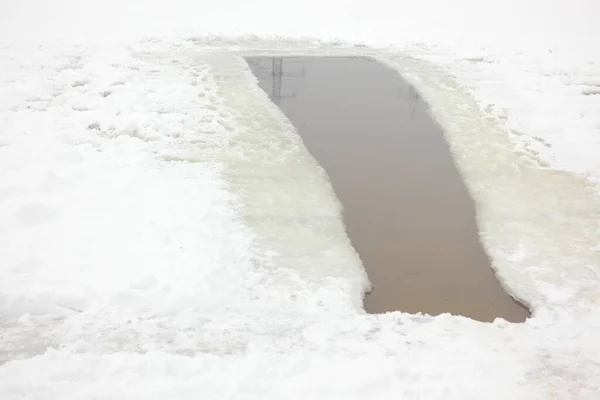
(406, 208)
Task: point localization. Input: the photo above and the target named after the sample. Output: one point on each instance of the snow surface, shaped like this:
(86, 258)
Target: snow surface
(165, 234)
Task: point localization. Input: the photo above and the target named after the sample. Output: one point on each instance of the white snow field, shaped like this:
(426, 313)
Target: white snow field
(164, 234)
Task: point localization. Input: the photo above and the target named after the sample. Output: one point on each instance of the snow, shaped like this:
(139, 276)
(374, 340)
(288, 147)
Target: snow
(165, 234)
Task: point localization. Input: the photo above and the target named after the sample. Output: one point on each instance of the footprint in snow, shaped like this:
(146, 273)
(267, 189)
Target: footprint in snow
(34, 214)
(70, 157)
(51, 182)
(13, 191)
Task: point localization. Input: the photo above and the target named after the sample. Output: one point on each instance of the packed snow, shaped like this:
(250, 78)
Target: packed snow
(165, 234)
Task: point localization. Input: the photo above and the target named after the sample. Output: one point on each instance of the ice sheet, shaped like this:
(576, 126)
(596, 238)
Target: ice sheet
(135, 255)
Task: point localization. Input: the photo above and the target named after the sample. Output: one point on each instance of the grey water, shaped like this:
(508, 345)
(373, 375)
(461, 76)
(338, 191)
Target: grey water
(406, 208)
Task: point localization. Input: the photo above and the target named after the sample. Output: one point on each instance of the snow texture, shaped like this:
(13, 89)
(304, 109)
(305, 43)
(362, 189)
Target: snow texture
(165, 234)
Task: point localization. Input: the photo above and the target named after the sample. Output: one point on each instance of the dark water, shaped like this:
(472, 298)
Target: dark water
(406, 208)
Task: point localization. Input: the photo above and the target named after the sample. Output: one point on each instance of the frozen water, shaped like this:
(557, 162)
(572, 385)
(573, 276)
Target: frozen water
(288, 201)
(134, 253)
(226, 246)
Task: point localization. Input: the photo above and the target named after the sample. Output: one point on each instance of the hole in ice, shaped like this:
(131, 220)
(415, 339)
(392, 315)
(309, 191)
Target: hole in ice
(406, 208)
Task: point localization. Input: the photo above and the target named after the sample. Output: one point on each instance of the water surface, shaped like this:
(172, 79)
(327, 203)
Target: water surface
(406, 208)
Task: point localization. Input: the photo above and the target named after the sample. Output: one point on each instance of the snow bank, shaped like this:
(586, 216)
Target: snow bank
(522, 59)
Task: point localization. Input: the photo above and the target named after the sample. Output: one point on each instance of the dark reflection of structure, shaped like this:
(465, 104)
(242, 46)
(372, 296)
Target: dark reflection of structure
(413, 97)
(275, 68)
